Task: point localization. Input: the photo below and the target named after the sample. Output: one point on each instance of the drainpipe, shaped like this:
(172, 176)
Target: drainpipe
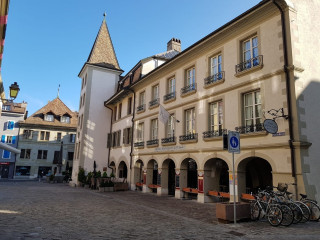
(132, 127)
(109, 152)
(288, 86)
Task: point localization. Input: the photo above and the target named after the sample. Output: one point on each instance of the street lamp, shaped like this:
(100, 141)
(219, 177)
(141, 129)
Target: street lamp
(14, 90)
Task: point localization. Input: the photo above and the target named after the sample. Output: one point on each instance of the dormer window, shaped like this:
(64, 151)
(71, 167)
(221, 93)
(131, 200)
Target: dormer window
(49, 117)
(6, 107)
(65, 119)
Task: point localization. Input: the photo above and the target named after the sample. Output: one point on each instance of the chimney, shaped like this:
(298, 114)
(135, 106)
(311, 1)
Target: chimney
(174, 44)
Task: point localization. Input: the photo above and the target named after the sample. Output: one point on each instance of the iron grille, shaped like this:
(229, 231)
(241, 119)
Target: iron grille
(168, 140)
(214, 78)
(217, 133)
(154, 102)
(253, 62)
(139, 144)
(192, 136)
(250, 129)
(189, 88)
(169, 96)
(141, 108)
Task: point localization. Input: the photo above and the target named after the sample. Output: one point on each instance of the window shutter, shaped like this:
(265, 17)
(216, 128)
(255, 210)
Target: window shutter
(3, 138)
(6, 154)
(10, 125)
(129, 135)
(124, 137)
(119, 137)
(109, 142)
(13, 139)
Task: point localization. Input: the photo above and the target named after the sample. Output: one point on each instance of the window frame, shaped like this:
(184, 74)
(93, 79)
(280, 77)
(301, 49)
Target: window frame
(192, 120)
(154, 129)
(215, 113)
(47, 118)
(254, 106)
(140, 132)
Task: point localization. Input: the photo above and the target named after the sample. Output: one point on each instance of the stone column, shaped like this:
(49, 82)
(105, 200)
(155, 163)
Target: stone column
(200, 197)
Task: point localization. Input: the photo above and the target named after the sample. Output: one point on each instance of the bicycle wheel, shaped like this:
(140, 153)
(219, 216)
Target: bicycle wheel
(297, 211)
(314, 209)
(287, 215)
(274, 215)
(305, 211)
(255, 211)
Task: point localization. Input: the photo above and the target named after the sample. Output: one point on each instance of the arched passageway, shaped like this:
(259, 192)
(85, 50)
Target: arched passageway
(138, 172)
(216, 175)
(113, 167)
(123, 170)
(168, 176)
(254, 173)
(189, 173)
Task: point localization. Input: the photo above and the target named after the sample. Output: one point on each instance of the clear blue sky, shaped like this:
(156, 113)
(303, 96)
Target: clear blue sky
(48, 41)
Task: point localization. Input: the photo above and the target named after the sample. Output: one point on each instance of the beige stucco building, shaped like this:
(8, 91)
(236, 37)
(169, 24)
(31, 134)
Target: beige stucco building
(46, 141)
(260, 65)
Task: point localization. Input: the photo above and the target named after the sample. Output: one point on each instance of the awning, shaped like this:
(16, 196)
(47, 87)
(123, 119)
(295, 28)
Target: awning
(9, 148)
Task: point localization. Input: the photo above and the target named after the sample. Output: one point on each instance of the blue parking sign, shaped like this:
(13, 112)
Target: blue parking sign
(234, 142)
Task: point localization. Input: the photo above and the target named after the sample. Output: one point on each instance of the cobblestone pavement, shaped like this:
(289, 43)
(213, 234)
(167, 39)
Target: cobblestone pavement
(33, 210)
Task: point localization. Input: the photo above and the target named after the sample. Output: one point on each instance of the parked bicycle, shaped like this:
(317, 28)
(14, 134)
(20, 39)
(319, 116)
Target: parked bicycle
(313, 206)
(262, 207)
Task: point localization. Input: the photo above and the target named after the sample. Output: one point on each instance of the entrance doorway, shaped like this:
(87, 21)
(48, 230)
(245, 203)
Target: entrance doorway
(171, 178)
(4, 171)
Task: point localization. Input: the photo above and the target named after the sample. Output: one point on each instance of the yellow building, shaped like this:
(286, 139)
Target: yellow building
(260, 65)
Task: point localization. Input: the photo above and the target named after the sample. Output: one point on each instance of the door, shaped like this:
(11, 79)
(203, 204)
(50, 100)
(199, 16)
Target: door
(5, 171)
(171, 178)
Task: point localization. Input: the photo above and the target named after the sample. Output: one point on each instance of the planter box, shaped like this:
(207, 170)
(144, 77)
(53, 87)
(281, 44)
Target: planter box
(101, 189)
(109, 189)
(224, 211)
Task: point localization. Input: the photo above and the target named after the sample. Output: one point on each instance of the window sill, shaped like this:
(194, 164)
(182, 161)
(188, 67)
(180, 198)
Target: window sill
(188, 93)
(213, 84)
(141, 111)
(208, 139)
(253, 134)
(188, 141)
(250, 70)
(169, 100)
(154, 106)
(168, 144)
(153, 146)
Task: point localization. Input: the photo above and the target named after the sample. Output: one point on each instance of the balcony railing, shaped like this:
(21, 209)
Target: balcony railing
(168, 140)
(214, 78)
(139, 144)
(250, 129)
(169, 96)
(189, 88)
(191, 136)
(141, 108)
(251, 63)
(153, 142)
(154, 102)
(212, 134)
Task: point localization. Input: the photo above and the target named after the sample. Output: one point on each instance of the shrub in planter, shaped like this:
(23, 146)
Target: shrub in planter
(81, 176)
(88, 178)
(104, 175)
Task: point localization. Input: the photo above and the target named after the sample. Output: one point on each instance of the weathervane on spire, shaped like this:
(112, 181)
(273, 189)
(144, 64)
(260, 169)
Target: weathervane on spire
(58, 90)
(104, 15)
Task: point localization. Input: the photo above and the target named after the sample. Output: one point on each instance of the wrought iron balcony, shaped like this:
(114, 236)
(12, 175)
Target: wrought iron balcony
(191, 136)
(212, 134)
(250, 129)
(214, 78)
(139, 144)
(153, 142)
(251, 63)
(189, 88)
(168, 140)
(169, 96)
(141, 108)
(154, 102)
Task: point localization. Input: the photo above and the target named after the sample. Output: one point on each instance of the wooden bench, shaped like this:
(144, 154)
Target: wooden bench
(192, 191)
(224, 196)
(139, 185)
(247, 197)
(153, 186)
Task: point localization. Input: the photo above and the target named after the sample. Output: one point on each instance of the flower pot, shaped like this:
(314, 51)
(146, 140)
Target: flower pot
(224, 211)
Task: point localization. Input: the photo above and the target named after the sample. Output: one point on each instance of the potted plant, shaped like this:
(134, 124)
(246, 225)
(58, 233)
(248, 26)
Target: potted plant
(109, 186)
(81, 176)
(88, 180)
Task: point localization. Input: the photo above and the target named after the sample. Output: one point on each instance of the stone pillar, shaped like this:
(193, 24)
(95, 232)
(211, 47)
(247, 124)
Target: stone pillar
(159, 182)
(201, 194)
(178, 193)
(232, 195)
(145, 186)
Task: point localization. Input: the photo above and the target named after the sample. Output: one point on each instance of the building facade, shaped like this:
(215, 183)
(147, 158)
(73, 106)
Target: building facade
(11, 115)
(260, 65)
(46, 141)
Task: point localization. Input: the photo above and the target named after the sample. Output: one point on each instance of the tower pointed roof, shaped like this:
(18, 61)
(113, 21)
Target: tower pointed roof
(102, 52)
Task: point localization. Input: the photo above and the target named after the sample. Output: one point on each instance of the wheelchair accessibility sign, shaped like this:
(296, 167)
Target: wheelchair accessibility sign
(233, 142)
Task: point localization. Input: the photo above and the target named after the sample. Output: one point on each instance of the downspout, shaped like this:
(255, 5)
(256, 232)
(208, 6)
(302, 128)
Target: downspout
(288, 86)
(109, 152)
(132, 127)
